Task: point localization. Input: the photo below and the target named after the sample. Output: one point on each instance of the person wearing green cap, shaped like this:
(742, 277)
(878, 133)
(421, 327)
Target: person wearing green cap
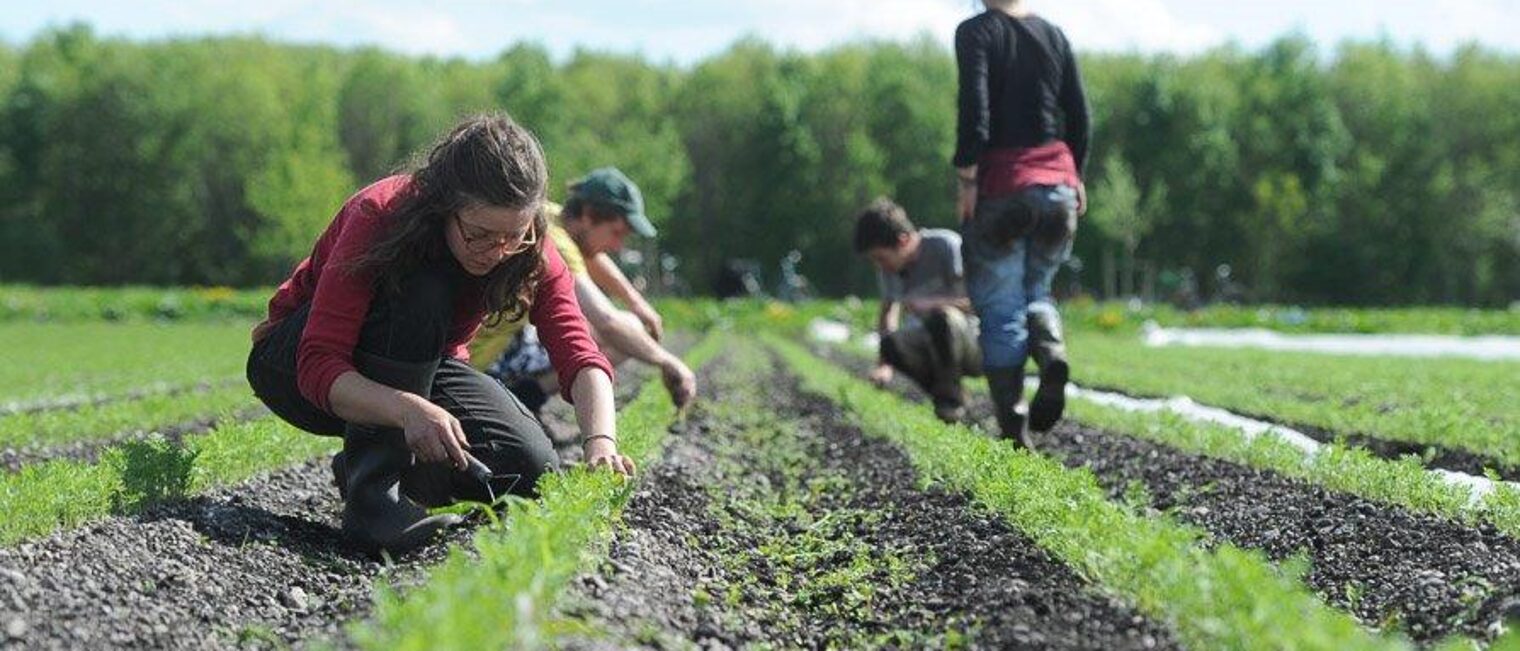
(602, 208)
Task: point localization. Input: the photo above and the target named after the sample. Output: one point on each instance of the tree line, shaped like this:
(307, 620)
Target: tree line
(1370, 175)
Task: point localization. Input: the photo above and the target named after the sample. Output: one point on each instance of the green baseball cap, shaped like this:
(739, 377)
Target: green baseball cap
(610, 186)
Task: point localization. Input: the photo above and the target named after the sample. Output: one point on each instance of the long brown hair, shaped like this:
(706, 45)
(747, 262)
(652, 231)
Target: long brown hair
(486, 159)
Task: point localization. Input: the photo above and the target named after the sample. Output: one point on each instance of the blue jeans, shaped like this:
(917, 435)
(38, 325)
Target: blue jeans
(1012, 249)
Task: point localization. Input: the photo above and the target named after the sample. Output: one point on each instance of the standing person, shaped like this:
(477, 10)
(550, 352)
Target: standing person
(1022, 144)
(924, 325)
(367, 338)
(602, 209)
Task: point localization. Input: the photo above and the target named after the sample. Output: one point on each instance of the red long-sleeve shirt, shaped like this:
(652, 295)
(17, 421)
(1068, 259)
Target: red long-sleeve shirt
(340, 299)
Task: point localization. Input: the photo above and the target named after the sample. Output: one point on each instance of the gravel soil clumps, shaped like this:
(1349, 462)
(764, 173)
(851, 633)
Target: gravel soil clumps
(259, 564)
(771, 521)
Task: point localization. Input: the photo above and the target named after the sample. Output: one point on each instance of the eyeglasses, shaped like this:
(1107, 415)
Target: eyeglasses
(480, 240)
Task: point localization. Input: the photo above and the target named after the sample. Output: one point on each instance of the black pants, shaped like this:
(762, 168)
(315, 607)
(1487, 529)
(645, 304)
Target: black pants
(411, 324)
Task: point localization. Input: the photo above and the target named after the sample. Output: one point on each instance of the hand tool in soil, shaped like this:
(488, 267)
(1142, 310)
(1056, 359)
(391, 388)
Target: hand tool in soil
(482, 473)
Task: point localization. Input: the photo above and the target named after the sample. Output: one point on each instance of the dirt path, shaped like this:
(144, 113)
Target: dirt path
(260, 562)
(1422, 574)
(776, 523)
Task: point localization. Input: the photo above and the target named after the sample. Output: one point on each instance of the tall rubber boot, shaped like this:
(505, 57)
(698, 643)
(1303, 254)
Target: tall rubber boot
(376, 514)
(1047, 346)
(1007, 387)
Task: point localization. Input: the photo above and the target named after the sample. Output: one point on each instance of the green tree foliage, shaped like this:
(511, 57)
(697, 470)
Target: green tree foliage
(1378, 175)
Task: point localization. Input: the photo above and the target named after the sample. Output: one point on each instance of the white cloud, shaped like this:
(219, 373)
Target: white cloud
(811, 25)
(688, 30)
(1145, 25)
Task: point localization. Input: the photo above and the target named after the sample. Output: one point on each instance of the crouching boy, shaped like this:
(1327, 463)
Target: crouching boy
(927, 331)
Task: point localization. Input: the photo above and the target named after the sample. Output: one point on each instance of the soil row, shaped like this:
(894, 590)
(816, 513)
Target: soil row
(260, 564)
(1393, 568)
(771, 521)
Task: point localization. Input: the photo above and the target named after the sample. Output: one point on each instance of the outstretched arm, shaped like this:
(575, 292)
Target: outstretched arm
(887, 321)
(611, 280)
(594, 413)
(618, 332)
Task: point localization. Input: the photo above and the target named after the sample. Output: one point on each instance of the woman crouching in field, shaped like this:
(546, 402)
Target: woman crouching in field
(368, 338)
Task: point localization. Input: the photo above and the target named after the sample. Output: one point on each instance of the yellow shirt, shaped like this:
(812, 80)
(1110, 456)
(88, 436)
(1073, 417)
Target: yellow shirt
(491, 342)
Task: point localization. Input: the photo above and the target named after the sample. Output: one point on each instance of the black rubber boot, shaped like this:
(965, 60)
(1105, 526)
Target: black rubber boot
(376, 514)
(340, 474)
(1007, 387)
(1047, 346)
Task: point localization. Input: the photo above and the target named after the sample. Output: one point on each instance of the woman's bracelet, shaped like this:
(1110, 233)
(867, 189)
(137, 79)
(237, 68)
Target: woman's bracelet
(600, 436)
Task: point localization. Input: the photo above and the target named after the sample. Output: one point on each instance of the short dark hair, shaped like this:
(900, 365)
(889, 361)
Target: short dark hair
(601, 213)
(880, 225)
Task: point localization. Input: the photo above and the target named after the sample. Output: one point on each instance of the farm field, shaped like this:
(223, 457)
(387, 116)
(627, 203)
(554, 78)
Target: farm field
(150, 501)
(1458, 414)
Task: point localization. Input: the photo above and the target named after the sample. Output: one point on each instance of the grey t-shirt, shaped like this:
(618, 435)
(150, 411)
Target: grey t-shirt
(937, 272)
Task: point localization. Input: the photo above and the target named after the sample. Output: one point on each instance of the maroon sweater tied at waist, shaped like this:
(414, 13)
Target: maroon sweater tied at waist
(1003, 172)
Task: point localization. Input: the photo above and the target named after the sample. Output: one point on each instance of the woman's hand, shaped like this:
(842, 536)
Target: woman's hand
(434, 434)
(601, 452)
(1081, 198)
(881, 375)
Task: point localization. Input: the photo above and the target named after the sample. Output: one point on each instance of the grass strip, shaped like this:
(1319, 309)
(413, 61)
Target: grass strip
(502, 593)
(1452, 403)
(1118, 316)
(116, 304)
(44, 362)
(1214, 595)
(54, 427)
(47, 497)
(1356, 471)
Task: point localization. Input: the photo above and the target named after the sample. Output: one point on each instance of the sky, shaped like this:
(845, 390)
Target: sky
(686, 31)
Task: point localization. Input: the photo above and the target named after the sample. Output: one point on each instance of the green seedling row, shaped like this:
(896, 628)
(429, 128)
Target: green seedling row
(42, 429)
(46, 361)
(47, 497)
(1215, 596)
(1463, 404)
(1405, 482)
(501, 594)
